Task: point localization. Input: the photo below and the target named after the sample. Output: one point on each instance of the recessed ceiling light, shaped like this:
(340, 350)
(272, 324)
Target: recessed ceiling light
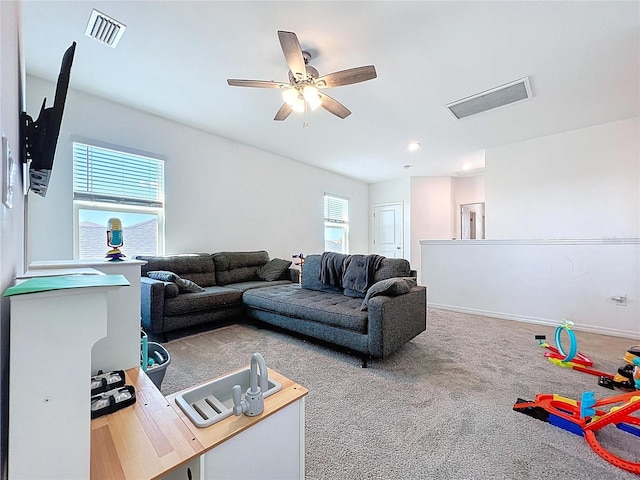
(413, 146)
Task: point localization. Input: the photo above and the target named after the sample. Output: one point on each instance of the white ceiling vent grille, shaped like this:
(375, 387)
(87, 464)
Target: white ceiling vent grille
(104, 29)
(496, 97)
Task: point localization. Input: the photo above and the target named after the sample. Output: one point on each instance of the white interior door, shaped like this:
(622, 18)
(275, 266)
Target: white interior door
(388, 230)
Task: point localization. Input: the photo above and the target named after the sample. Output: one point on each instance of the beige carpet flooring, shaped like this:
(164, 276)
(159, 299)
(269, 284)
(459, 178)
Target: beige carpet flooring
(440, 408)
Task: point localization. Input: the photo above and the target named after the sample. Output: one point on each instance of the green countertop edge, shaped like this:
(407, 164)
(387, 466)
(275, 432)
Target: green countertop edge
(64, 282)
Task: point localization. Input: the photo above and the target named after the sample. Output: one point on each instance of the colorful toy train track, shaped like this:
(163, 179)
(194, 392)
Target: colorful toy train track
(586, 417)
(627, 377)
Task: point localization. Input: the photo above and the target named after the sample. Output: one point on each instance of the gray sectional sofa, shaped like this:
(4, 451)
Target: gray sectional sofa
(324, 312)
(222, 276)
(374, 322)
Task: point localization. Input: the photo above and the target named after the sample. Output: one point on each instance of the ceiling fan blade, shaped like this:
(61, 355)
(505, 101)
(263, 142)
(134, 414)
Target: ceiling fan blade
(347, 77)
(283, 113)
(333, 106)
(234, 82)
(293, 53)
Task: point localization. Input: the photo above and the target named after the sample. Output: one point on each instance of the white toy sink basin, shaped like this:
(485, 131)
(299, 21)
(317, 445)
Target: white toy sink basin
(213, 401)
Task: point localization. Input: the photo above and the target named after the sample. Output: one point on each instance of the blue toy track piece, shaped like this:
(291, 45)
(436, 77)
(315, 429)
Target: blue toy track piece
(573, 343)
(587, 402)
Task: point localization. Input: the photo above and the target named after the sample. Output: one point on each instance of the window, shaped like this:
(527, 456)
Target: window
(109, 183)
(336, 224)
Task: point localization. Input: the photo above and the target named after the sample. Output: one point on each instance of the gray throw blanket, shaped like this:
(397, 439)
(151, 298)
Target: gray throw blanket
(332, 268)
(359, 271)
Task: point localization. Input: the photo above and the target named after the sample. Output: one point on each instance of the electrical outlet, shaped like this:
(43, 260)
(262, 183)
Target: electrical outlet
(621, 299)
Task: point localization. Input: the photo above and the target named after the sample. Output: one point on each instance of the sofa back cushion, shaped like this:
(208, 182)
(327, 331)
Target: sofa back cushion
(236, 267)
(388, 268)
(197, 267)
(311, 276)
(392, 267)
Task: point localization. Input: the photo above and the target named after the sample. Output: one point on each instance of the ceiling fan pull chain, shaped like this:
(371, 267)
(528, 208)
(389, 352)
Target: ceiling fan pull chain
(305, 124)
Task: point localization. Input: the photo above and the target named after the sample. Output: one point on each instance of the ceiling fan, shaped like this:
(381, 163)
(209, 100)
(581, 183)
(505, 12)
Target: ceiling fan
(305, 83)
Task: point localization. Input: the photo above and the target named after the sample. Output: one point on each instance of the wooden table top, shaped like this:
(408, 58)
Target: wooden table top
(153, 436)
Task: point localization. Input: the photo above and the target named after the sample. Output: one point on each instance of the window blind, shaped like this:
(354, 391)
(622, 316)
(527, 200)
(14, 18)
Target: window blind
(336, 209)
(104, 175)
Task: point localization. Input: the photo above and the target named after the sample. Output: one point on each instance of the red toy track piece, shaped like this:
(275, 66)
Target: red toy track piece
(620, 415)
(590, 437)
(569, 411)
(592, 372)
(579, 358)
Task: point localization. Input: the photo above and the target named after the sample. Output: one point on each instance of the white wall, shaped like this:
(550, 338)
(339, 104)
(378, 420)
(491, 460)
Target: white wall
(431, 207)
(11, 220)
(220, 195)
(431, 213)
(563, 230)
(539, 281)
(579, 184)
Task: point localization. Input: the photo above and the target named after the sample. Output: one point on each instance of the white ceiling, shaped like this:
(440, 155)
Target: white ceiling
(583, 59)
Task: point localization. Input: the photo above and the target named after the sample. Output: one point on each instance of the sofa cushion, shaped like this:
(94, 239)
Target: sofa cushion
(353, 293)
(391, 287)
(209, 299)
(197, 267)
(184, 285)
(392, 267)
(334, 309)
(311, 276)
(273, 269)
(234, 267)
(244, 286)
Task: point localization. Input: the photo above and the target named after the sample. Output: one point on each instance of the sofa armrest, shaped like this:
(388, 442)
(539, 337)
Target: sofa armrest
(294, 275)
(152, 304)
(393, 321)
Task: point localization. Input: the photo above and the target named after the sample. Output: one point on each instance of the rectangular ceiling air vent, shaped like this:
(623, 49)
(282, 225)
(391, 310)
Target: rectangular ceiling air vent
(496, 97)
(104, 29)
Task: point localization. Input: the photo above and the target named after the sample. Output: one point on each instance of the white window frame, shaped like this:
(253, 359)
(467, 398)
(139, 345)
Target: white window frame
(114, 206)
(343, 224)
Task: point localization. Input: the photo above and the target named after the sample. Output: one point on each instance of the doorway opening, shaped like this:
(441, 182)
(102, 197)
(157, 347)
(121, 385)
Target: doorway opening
(472, 221)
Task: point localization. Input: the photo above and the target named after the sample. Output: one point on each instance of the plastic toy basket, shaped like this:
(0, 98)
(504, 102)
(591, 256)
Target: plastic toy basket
(154, 359)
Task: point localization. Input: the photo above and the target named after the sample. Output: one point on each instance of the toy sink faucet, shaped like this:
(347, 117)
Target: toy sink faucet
(253, 402)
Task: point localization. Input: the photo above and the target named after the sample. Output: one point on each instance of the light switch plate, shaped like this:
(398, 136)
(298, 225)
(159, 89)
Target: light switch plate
(10, 171)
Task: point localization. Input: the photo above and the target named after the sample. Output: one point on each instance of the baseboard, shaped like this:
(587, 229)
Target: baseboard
(539, 321)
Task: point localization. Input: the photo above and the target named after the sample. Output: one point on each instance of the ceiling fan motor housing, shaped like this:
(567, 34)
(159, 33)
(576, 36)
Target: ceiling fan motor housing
(312, 74)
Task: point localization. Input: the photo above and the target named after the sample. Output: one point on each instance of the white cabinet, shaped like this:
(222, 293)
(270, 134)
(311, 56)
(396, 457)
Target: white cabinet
(189, 471)
(120, 349)
(51, 335)
(271, 449)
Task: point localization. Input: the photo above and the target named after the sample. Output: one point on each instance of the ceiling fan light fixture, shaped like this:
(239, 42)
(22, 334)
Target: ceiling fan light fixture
(298, 105)
(310, 94)
(290, 95)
